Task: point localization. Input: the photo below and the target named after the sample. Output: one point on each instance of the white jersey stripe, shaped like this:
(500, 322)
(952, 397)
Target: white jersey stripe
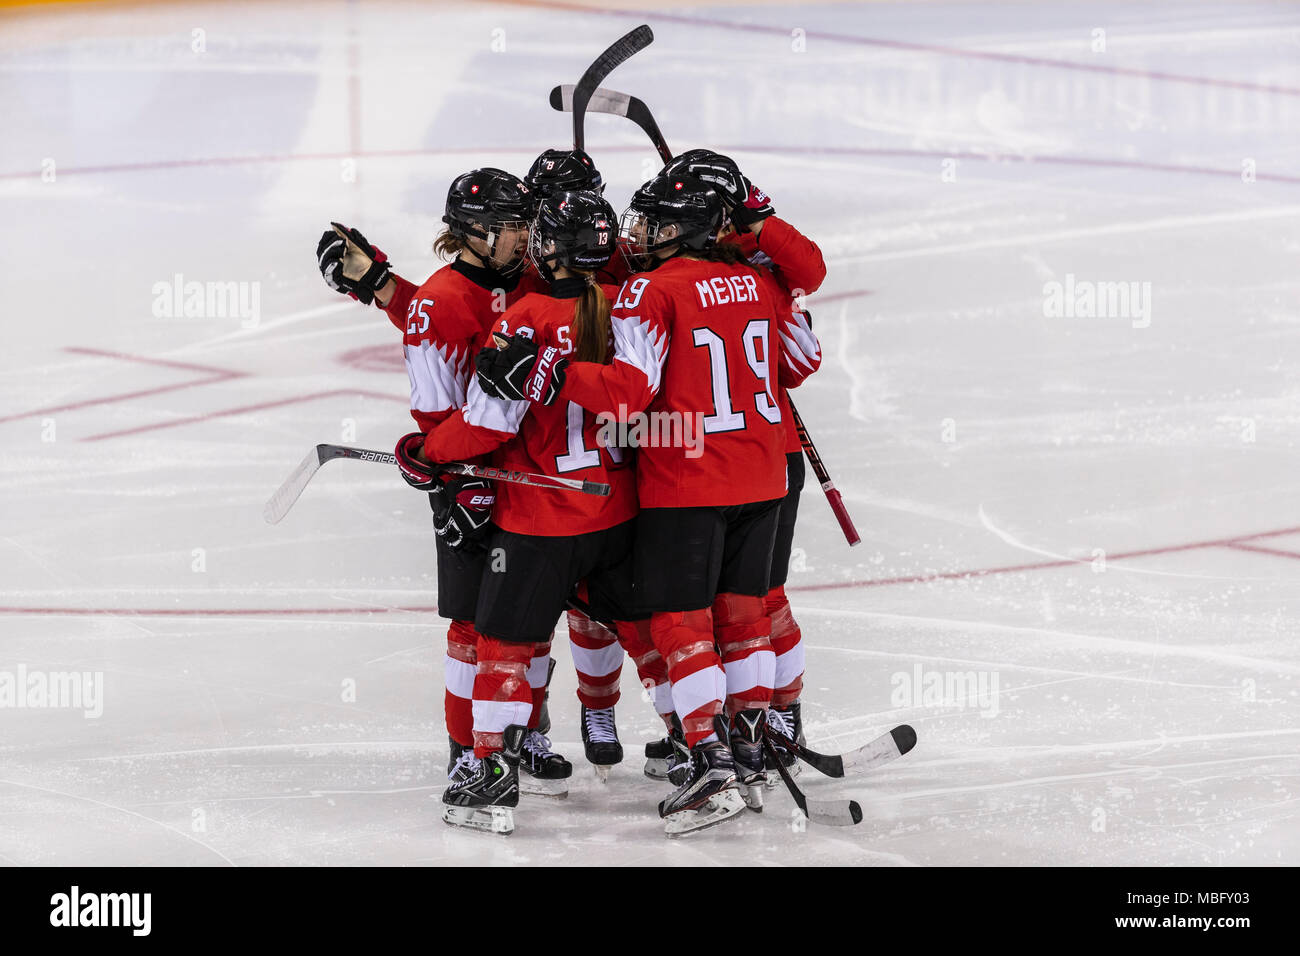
(639, 346)
(438, 376)
(485, 411)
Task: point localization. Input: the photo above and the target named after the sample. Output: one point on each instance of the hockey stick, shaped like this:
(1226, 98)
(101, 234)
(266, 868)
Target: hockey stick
(575, 603)
(624, 104)
(619, 104)
(618, 51)
(293, 486)
(828, 487)
(831, 813)
(888, 746)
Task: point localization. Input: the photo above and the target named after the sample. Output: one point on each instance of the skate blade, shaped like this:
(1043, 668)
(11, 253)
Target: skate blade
(656, 768)
(498, 820)
(602, 771)
(752, 793)
(721, 806)
(540, 787)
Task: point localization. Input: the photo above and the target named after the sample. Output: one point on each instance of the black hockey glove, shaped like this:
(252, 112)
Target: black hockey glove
(351, 265)
(519, 371)
(418, 472)
(461, 509)
(746, 203)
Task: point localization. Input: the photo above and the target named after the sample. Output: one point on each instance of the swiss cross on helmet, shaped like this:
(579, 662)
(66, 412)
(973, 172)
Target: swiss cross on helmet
(669, 211)
(483, 202)
(574, 229)
(720, 172)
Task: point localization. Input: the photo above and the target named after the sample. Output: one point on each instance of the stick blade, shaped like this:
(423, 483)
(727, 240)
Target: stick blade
(601, 101)
(289, 492)
(835, 813)
(904, 738)
(886, 747)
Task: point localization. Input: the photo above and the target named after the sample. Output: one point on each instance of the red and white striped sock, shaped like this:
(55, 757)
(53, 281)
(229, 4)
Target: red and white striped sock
(459, 671)
(502, 695)
(685, 641)
(743, 632)
(787, 642)
(539, 668)
(598, 659)
(650, 667)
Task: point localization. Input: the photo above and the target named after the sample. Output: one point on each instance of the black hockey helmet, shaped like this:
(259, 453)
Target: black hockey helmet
(576, 229)
(685, 203)
(558, 169)
(482, 202)
(720, 172)
(680, 165)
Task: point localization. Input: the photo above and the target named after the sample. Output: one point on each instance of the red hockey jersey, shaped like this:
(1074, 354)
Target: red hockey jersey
(561, 439)
(797, 265)
(443, 323)
(699, 348)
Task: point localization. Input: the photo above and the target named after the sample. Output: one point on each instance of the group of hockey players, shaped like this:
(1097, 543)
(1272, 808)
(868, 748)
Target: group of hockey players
(554, 320)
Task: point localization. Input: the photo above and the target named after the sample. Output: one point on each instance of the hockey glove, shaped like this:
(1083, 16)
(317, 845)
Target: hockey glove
(351, 265)
(461, 509)
(418, 472)
(518, 370)
(746, 203)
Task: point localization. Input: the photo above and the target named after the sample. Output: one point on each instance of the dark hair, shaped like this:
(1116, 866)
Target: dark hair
(726, 252)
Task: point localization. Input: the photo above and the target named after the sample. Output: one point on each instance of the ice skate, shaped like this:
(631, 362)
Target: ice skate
(600, 740)
(485, 790)
(542, 772)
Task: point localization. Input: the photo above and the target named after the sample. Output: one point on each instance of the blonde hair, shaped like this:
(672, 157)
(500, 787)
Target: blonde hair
(591, 329)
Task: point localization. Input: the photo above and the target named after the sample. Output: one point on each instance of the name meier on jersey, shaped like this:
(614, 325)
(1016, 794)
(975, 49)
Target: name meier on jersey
(725, 290)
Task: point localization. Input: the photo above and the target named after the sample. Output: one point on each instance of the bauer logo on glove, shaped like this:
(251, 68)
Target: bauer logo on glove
(462, 510)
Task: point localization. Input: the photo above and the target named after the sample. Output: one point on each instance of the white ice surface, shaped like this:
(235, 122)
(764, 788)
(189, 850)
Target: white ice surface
(1146, 713)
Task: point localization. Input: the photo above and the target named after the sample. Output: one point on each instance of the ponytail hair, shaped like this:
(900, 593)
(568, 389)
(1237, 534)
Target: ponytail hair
(591, 329)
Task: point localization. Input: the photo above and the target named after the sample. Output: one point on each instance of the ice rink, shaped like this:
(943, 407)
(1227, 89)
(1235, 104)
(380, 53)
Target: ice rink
(1091, 513)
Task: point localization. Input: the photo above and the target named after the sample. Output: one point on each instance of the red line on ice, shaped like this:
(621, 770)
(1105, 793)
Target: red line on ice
(1096, 161)
(1043, 565)
(208, 612)
(214, 375)
(243, 409)
(953, 51)
(1235, 542)
(1276, 552)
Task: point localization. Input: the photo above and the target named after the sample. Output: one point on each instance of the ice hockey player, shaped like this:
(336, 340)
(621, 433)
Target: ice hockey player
(443, 322)
(797, 264)
(597, 656)
(700, 338)
(545, 540)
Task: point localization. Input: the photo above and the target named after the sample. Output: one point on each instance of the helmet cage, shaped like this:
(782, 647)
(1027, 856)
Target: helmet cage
(641, 238)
